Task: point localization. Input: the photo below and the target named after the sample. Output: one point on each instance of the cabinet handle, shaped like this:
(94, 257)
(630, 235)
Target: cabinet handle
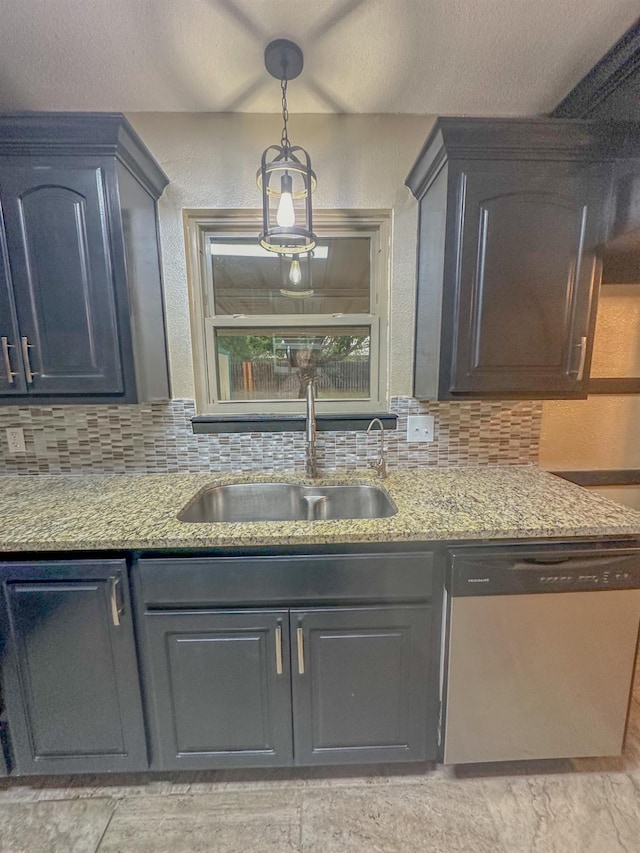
(583, 357)
(279, 650)
(117, 608)
(300, 644)
(26, 346)
(6, 346)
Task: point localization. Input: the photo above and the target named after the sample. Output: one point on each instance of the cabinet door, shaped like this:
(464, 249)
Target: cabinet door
(219, 688)
(361, 684)
(69, 672)
(58, 243)
(11, 374)
(525, 276)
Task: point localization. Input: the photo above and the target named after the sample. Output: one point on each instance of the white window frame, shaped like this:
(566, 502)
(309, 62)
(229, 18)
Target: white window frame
(199, 224)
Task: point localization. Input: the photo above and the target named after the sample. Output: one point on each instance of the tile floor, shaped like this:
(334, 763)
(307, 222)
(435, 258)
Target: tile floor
(564, 806)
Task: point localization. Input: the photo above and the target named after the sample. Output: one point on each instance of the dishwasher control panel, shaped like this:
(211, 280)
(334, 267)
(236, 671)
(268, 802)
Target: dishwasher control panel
(497, 571)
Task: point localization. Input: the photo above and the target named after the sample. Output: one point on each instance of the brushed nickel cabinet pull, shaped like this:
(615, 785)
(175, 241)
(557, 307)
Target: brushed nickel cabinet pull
(579, 371)
(279, 650)
(26, 346)
(116, 608)
(300, 644)
(6, 346)
(583, 357)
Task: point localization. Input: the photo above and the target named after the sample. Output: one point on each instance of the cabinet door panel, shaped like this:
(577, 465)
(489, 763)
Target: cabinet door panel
(363, 694)
(72, 693)
(59, 245)
(545, 281)
(218, 698)
(11, 374)
(526, 282)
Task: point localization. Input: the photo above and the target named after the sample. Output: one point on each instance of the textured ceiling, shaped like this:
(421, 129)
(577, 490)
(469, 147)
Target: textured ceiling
(482, 57)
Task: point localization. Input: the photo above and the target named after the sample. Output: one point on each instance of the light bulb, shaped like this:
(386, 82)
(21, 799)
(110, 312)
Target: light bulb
(286, 217)
(295, 273)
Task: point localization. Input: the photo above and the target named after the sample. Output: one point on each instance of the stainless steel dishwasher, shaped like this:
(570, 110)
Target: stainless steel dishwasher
(540, 651)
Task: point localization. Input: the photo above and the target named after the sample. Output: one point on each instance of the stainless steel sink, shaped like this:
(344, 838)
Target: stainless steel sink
(348, 502)
(287, 502)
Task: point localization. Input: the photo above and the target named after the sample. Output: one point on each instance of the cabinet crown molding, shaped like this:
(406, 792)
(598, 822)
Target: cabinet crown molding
(615, 75)
(73, 134)
(520, 139)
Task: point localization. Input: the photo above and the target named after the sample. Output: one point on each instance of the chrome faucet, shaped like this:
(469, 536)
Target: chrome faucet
(310, 431)
(380, 465)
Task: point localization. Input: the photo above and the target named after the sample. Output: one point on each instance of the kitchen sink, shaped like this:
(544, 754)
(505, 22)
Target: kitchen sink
(287, 502)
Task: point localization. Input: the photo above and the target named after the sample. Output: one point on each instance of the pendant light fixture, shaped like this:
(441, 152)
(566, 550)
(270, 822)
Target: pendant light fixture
(295, 275)
(286, 180)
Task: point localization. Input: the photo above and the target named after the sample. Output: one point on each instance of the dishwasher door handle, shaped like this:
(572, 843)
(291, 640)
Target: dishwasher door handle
(572, 563)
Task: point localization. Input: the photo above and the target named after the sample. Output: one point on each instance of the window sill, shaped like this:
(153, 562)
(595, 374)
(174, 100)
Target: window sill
(287, 423)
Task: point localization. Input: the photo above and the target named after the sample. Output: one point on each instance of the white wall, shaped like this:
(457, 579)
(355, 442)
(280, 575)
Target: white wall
(598, 433)
(361, 162)
(602, 431)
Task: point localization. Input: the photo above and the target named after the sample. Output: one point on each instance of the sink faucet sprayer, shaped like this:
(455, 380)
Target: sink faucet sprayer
(310, 431)
(380, 465)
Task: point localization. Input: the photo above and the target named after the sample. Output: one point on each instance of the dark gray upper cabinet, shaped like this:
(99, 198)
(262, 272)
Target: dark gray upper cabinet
(78, 195)
(610, 92)
(12, 379)
(513, 214)
(65, 300)
(69, 670)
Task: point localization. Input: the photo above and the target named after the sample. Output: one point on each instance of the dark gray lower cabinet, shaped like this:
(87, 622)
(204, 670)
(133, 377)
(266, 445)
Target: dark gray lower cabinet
(69, 668)
(220, 688)
(360, 684)
(251, 688)
(276, 679)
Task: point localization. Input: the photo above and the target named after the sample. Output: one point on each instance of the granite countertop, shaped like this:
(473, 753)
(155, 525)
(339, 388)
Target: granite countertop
(138, 511)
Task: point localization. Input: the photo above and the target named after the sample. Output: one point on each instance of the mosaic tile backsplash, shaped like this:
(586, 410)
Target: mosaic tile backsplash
(157, 438)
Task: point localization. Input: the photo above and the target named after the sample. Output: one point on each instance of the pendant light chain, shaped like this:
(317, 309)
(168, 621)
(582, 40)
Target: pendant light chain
(285, 177)
(284, 139)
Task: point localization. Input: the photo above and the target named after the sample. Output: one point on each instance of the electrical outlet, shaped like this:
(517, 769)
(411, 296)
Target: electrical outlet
(15, 440)
(420, 428)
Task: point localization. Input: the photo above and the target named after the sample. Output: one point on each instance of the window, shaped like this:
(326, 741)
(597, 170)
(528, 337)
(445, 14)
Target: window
(262, 327)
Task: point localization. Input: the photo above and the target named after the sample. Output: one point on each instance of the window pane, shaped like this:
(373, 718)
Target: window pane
(267, 364)
(249, 280)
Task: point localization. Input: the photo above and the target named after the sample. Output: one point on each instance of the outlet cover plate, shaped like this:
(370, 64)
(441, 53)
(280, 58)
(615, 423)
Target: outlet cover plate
(420, 427)
(15, 440)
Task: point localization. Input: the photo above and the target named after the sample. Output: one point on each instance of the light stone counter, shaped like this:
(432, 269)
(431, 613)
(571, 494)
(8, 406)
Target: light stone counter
(138, 511)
